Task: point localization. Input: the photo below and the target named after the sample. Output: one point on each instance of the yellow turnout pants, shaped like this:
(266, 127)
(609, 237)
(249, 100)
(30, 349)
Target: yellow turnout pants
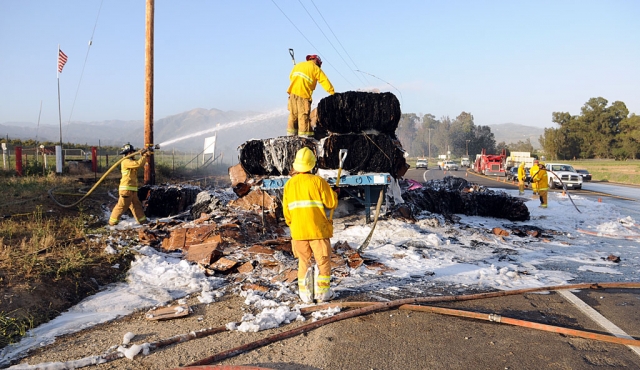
(321, 250)
(299, 122)
(128, 200)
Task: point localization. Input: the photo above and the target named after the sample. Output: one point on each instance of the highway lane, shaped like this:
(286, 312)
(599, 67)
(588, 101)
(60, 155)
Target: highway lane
(626, 197)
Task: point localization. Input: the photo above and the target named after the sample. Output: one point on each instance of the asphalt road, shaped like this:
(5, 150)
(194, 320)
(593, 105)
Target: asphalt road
(627, 192)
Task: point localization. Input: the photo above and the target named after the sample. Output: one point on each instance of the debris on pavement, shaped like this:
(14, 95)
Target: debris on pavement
(167, 313)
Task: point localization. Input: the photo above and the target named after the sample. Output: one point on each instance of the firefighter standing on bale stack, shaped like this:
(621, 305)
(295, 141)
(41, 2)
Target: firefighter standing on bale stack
(305, 198)
(128, 189)
(304, 77)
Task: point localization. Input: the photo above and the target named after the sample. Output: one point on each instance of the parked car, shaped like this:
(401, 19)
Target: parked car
(586, 175)
(566, 173)
(512, 174)
(422, 163)
(450, 165)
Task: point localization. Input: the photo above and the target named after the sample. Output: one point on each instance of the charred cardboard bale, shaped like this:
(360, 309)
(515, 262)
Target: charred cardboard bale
(164, 201)
(456, 195)
(210, 201)
(367, 153)
(272, 157)
(356, 111)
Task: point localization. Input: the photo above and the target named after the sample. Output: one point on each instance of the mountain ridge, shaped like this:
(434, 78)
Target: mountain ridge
(191, 122)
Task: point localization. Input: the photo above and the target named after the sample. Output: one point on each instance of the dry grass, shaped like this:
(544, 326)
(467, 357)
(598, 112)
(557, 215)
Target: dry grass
(40, 243)
(624, 172)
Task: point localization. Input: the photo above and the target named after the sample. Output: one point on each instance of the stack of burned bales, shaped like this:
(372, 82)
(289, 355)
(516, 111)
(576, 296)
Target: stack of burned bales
(364, 123)
(455, 195)
(167, 200)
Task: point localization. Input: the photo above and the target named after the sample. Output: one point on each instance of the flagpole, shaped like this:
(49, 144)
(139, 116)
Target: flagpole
(58, 77)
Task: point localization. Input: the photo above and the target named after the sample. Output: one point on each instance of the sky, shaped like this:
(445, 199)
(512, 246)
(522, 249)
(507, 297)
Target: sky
(501, 61)
(419, 254)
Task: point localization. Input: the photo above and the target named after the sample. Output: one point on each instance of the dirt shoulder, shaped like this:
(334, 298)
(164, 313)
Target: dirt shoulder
(396, 339)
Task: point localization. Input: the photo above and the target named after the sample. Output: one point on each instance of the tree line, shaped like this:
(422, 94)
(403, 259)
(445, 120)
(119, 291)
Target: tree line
(427, 136)
(600, 131)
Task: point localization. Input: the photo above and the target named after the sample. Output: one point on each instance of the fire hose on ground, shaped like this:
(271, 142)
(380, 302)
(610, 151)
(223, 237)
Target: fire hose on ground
(115, 165)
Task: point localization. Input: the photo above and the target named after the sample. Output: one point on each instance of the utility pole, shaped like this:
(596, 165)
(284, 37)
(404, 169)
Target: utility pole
(468, 148)
(149, 168)
(429, 144)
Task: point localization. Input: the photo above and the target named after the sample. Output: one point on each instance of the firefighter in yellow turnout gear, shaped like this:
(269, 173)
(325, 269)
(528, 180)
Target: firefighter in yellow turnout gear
(522, 174)
(304, 78)
(541, 179)
(305, 199)
(128, 190)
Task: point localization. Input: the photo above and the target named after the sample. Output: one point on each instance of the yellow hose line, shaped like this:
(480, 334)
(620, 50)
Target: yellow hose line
(95, 185)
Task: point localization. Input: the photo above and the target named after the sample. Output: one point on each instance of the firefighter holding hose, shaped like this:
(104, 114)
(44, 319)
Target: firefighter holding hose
(532, 172)
(305, 198)
(541, 179)
(128, 190)
(304, 78)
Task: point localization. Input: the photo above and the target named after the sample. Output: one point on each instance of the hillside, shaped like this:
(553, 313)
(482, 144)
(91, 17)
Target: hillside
(235, 128)
(513, 132)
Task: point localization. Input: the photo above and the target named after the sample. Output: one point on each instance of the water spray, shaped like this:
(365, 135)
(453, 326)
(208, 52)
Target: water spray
(261, 117)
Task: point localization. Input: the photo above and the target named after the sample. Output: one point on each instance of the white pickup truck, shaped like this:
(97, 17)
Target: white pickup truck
(449, 166)
(564, 172)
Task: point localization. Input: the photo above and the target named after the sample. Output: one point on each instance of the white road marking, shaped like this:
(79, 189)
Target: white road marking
(598, 318)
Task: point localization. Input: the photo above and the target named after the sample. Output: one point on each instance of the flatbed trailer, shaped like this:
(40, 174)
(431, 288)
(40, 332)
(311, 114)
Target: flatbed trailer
(364, 188)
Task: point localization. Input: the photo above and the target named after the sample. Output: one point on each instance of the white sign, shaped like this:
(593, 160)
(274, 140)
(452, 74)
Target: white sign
(209, 145)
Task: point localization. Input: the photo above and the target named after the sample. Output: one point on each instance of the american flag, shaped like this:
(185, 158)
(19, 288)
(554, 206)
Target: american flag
(62, 60)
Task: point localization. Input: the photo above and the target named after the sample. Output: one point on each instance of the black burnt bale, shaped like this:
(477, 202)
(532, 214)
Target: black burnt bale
(272, 157)
(366, 153)
(356, 111)
(164, 201)
(456, 195)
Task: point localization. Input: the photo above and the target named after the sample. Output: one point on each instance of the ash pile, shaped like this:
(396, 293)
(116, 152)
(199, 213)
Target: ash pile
(455, 195)
(364, 123)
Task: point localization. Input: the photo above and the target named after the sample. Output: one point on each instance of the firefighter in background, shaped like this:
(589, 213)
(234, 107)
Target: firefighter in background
(128, 190)
(304, 78)
(541, 179)
(522, 174)
(532, 171)
(304, 201)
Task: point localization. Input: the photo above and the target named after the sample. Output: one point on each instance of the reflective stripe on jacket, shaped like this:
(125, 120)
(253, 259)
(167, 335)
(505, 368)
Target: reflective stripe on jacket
(304, 201)
(129, 169)
(542, 179)
(304, 77)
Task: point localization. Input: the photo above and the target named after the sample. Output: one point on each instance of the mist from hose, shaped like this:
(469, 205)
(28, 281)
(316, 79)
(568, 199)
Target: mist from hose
(258, 118)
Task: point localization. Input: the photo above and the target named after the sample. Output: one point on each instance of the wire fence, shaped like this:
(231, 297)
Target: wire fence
(42, 161)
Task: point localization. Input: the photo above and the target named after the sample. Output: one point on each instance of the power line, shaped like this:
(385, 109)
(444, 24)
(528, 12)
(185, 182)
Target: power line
(401, 98)
(83, 66)
(305, 37)
(337, 39)
(330, 43)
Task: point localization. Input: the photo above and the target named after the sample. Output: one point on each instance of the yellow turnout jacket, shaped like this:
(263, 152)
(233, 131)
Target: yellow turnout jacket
(522, 174)
(541, 178)
(304, 201)
(532, 172)
(129, 169)
(304, 77)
